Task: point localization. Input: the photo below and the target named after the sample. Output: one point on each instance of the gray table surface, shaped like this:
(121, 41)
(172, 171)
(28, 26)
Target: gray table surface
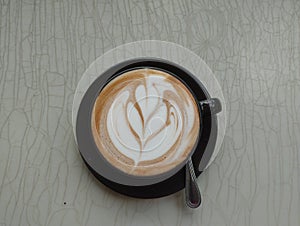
(253, 47)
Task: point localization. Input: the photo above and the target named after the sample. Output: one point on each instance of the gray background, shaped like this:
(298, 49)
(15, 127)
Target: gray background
(253, 48)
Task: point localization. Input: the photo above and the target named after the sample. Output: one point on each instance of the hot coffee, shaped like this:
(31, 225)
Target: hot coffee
(145, 122)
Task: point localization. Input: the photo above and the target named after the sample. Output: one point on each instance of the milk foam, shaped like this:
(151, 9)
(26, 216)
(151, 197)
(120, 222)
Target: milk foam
(149, 117)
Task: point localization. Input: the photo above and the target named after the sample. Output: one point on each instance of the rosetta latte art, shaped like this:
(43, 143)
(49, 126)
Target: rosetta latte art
(145, 122)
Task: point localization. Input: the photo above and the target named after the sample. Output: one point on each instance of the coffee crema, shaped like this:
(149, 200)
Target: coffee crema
(145, 122)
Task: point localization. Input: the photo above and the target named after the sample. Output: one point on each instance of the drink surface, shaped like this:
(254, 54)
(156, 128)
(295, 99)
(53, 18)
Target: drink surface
(145, 122)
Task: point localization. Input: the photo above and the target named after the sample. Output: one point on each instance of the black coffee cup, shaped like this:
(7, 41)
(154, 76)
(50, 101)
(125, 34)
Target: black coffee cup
(88, 149)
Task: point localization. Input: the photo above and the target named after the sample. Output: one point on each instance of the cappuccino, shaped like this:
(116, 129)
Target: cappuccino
(145, 122)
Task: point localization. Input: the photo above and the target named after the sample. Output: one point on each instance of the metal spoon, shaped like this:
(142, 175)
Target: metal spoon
(192, 191)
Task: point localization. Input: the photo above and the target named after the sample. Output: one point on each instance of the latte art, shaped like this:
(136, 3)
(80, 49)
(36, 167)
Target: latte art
(145, 122)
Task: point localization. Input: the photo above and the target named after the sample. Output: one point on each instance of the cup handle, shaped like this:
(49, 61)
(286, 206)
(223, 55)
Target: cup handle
(210, 107)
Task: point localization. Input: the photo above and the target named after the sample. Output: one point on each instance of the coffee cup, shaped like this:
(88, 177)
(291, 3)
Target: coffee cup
(143, 121)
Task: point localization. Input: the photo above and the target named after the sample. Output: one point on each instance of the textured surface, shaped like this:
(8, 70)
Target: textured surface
(253, 47)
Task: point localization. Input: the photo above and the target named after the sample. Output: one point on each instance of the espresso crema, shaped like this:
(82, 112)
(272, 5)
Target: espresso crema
(145, 122)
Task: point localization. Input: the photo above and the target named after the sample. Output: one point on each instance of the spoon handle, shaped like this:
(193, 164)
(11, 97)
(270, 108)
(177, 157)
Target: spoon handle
(192, 191)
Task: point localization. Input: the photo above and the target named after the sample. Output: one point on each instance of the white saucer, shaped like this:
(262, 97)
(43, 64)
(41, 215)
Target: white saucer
(157, 49)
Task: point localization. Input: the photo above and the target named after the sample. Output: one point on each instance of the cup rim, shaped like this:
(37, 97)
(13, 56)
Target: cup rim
(86, 144)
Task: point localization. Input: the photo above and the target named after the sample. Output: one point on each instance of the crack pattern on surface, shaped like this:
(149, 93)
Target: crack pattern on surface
(253, 48)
